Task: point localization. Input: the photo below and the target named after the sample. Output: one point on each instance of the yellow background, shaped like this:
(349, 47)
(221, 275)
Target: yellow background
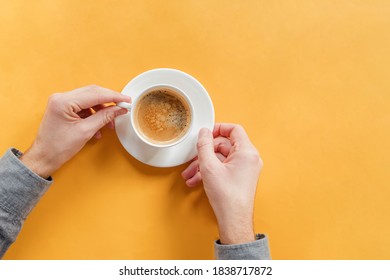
(309, 80)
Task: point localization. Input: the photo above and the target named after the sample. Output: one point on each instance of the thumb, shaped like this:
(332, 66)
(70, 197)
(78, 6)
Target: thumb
(104, 117)
(205, 146)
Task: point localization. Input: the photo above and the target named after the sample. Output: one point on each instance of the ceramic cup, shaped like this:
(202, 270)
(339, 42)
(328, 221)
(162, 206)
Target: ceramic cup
(136, 127)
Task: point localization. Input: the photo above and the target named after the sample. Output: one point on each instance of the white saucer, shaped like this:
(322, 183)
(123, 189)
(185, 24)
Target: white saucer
(183, 151)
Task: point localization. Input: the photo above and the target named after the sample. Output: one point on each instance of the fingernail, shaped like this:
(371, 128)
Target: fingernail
(128, 98)
(123, 111)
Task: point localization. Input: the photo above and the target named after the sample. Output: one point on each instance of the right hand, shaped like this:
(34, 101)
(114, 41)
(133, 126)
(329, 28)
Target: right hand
(229, 166)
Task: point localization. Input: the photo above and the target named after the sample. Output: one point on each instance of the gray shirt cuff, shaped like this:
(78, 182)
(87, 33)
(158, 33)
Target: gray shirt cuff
(21, 188)
(256, 250)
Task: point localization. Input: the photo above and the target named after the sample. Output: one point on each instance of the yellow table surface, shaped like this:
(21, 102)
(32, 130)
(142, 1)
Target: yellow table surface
(309, 80)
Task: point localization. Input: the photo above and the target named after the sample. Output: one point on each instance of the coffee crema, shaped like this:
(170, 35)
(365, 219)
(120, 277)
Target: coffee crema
(162, 116)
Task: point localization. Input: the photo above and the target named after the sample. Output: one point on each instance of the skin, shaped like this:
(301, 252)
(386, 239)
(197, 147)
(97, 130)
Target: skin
(70, 121)
(228, 164)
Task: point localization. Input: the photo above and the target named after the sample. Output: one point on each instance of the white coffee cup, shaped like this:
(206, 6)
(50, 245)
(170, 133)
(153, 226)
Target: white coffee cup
(133, 110)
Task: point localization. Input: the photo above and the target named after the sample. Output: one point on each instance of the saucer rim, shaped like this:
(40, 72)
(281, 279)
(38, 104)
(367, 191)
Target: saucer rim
(188, 145)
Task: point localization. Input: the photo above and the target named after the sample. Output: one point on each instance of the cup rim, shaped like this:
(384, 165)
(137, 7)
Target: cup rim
(139, 97)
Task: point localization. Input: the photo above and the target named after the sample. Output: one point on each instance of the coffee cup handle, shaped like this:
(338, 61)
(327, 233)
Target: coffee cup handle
(124, 105)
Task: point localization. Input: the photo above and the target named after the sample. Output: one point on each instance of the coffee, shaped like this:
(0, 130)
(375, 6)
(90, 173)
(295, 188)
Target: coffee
(162, 116)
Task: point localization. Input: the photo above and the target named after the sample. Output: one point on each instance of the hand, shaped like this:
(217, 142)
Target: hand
(229, 166)
(68, 124)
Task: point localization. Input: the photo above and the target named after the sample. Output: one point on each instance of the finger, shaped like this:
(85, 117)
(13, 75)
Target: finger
(103, 117)
(194, 181)
(98, 135)
(234, 132)
(87, 97)
(191, 170)
(221, 157)
(222, 145)
(111, 125)
(205, 146)
(97, 108)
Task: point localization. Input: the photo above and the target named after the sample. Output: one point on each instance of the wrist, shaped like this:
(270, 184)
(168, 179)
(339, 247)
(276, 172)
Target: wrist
(236, 233)
(38, 162)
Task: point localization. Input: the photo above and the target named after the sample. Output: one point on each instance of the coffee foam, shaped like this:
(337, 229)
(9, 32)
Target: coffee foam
(163, 116)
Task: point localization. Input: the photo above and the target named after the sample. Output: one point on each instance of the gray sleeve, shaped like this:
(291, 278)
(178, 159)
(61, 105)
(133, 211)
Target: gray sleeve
(256, 250)
(20, 191)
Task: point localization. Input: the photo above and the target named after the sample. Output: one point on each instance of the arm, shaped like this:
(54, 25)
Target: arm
(68, 124)
(255, 250)
(229, 166)
(20, 190)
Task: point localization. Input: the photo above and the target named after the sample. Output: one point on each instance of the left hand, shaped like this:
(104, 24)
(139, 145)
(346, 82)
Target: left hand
(68, 124)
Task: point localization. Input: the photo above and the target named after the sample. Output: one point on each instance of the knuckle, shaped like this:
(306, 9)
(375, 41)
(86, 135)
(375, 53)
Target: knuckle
(92, 88)
(108, 116)
(95, 90)
(239, 126)
(55, 100)
(203, 143)
(261, 162)
(253, 157)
